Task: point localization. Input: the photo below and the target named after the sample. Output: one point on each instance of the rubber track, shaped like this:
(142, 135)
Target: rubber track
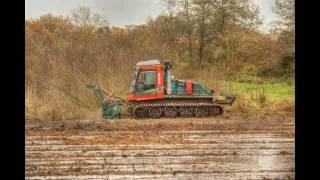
(133, 107)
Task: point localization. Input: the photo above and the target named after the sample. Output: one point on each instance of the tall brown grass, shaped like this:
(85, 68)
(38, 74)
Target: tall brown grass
(61, 59)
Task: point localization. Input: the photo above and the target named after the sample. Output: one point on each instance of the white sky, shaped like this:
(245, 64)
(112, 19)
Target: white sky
(118, 12)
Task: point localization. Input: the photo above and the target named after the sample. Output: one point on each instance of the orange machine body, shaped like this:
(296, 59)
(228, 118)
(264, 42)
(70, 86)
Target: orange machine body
(158, 92)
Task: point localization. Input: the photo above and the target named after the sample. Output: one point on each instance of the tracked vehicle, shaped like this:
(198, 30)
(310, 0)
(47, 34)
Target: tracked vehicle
(155, 93)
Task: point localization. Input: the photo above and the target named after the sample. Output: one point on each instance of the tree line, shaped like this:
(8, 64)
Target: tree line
(64, 53)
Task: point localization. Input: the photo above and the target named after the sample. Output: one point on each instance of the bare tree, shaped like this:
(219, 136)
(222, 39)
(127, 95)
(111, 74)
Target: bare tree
(188, 24)
(284, 28)
(285, 9)
(216, 16)
(84, 17)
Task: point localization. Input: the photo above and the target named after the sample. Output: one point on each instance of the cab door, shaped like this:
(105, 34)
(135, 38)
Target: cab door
(146, 87)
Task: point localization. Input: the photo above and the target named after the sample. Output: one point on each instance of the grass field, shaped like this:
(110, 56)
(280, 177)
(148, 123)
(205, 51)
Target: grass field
(272, 92)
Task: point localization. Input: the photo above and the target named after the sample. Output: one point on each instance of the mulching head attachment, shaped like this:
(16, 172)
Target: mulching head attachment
(111, 108)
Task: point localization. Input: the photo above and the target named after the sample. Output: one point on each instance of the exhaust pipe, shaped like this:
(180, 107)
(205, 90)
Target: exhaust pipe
(167, 68)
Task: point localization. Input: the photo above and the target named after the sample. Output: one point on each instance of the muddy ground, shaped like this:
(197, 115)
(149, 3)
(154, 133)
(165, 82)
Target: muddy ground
(248, 146)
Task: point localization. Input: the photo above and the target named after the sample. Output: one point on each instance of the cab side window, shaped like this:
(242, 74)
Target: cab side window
(148, 79)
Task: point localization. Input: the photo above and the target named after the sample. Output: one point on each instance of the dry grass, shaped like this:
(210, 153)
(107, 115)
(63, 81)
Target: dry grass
(82, 104)
(59, 65)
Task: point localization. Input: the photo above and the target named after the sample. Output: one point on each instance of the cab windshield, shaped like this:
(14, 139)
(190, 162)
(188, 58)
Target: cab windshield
(148, 77)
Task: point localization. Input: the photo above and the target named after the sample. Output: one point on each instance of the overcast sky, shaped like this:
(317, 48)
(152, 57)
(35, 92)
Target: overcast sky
(117, 12)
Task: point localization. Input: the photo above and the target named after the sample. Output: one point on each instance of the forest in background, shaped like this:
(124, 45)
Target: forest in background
(214, 42)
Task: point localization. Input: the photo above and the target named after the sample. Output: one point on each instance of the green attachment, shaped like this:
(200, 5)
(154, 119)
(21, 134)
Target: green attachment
(200, 90)
(228, 95)
(179, 88)
(224, 98)
(111, 108)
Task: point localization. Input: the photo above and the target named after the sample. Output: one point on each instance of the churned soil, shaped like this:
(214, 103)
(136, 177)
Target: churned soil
(246, 146)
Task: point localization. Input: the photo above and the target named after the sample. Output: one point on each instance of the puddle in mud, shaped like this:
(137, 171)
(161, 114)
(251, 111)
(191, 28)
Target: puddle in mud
(193, 153)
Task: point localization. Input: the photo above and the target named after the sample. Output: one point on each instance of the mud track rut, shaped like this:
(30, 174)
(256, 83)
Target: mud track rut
(252, 147)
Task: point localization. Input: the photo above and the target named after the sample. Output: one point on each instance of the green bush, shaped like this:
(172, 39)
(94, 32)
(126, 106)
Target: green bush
(287, 66)
(284, 69)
